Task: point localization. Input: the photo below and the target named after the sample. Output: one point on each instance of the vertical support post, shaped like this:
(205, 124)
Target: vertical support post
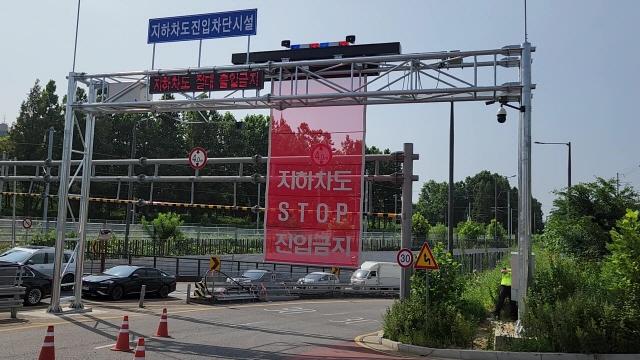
(63, 191)
(129, 214)
(2, 171)
(45, 201)
(569, 168)
(84, 201)
(495, 210)
(13, 217)
(524, 179)
(509, 224)
(407, 212)
(258, 210)
(153, 57)
(450, 195)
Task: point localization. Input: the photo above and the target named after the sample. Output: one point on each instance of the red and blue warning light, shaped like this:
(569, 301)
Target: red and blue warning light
(350, 39)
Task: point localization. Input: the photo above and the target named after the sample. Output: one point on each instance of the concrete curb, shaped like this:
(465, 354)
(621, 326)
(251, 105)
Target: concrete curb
(491, 355)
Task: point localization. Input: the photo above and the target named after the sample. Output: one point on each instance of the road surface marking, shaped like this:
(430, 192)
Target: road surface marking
(351, 321)
(343, 313)
(291, 310)
(196, 308)
(251, 323)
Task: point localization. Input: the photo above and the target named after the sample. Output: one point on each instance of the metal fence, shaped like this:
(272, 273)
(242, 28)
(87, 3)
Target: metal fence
(204, 240)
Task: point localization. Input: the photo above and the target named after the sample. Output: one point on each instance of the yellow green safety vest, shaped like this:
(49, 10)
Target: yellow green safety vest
(506, 278)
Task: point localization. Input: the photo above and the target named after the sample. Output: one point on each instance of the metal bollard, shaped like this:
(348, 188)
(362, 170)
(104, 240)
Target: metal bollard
(142, 291)
(188, 293)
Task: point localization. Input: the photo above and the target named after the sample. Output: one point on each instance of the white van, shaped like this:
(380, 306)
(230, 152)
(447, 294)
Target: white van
(374, 273)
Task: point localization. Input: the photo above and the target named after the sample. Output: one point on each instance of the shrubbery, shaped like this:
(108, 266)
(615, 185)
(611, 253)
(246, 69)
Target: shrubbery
(575, 305)
(450, 319)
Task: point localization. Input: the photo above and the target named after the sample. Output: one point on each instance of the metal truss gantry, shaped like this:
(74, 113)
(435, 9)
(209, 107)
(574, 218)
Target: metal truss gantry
(448, 76)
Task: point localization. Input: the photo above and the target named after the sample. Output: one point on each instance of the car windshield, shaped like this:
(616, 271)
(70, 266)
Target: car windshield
(120, 271)
(314, 276)
(15, 256)
(361, 274)
(253, 275)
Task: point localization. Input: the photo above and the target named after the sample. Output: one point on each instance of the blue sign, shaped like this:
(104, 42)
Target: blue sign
(203, 26)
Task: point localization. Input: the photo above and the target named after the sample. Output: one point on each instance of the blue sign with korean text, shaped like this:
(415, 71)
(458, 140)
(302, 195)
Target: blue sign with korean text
(203, 26)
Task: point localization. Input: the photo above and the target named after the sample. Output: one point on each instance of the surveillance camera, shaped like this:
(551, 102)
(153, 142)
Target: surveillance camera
(502, 115)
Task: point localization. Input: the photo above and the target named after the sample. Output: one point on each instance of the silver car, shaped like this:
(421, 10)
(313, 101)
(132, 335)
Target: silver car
(319, 278)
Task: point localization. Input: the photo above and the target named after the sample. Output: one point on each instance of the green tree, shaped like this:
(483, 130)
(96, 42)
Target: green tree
(419, 224)
(438, 233)
(470, 230)
(164, 227)
(582, 219)
(622, 266)
(432, 202)
(495, 230)
(40, 111)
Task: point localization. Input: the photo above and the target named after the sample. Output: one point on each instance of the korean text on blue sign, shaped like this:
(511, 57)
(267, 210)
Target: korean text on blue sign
(203, 26)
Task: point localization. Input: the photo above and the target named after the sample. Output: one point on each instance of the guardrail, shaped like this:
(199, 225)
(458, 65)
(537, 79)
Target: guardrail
(11, 291)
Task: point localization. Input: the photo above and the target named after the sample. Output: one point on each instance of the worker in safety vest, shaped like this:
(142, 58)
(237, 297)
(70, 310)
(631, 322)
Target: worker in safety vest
(505, 292)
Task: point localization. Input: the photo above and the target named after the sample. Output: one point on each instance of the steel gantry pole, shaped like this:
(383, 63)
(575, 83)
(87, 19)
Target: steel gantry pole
(63, 190)
(450, 223)
(524, 179)
(45, 201)
(407, 210)
(84, 201)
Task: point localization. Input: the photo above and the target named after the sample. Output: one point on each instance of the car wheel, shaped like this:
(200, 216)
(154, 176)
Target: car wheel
(164, 291)
(116, 293)
(33, 296)
(68, 278)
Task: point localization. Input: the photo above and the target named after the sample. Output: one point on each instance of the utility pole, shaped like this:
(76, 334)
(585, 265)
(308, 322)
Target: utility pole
(524, 180)
(509, 227)
(407, 212)
(45, 200)
(495, 209)
(450, 195)
(617, 183)
(129, 215)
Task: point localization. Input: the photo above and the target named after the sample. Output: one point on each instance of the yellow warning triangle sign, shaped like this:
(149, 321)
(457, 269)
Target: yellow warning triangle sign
(425, 259)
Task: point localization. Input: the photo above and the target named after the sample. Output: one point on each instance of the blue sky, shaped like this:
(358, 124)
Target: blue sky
(585, 68)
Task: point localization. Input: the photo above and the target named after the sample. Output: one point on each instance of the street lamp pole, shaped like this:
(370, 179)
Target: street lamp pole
(568, 144)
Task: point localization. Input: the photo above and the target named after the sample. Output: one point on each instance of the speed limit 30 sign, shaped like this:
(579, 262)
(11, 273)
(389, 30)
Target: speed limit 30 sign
(405, 258)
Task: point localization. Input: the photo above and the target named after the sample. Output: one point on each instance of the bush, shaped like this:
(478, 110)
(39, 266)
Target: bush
(495, 228)
(449, 320)
(470, 230)
(441, 325)
(438, 233)
(44, 238)
(571, 309)
(419, 224)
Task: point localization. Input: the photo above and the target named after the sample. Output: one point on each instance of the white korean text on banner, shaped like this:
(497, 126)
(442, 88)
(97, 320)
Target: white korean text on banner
(203, 26)
(314, 187)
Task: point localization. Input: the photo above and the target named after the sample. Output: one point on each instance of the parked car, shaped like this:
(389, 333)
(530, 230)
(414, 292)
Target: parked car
(319, 278)
(37, 285)
(122, 280)
(251, 277)
(373, 273)
(41, 258)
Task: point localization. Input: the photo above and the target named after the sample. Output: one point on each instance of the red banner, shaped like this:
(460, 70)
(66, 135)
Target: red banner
(314, 187)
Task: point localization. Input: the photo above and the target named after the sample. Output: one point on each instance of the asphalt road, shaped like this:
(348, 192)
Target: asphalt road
(313, 329)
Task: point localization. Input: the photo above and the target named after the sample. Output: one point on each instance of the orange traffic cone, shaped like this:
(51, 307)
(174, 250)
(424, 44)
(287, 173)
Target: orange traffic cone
(139, 355)
(48, 351)
(163, 327)
(122, 343)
